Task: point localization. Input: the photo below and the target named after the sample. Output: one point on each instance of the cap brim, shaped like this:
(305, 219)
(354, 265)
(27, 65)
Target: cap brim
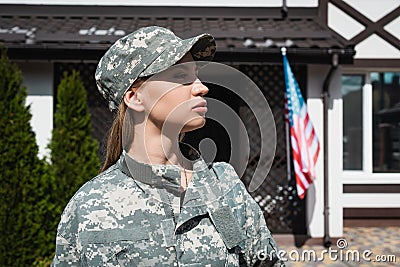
(202, 47)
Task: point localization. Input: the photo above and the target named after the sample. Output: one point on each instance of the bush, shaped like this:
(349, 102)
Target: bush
(26, 213)
(73, 148)
(43, 261)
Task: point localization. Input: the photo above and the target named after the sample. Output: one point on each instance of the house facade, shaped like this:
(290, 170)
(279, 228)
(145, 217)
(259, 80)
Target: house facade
(368, 171)
(347, 48)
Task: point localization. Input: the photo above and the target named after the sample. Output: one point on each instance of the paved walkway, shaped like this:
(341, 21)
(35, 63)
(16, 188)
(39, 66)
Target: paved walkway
(375, 243)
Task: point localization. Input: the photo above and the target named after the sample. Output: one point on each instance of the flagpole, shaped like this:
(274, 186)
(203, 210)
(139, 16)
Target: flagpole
(289, 171)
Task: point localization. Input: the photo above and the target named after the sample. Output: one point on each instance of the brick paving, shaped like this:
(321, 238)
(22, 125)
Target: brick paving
(381, 241)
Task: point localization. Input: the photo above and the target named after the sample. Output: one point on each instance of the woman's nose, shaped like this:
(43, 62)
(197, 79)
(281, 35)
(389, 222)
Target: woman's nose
(199, 88)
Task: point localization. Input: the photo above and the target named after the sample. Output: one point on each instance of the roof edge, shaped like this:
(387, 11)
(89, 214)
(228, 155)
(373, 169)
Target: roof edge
(162, 11)
(271, 55)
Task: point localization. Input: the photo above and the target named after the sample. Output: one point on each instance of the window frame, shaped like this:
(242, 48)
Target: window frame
(366, 175)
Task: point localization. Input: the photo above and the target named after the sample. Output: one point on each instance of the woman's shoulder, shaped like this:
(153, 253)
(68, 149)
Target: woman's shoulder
(102, 183)
(90, 198)
(224, 171)
(95, 195)
(227, 176)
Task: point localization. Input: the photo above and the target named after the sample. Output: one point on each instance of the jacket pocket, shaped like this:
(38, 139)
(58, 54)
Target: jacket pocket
(112, 247)
(227, 226)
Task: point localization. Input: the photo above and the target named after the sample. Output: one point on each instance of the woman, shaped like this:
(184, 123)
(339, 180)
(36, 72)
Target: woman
(156, 202)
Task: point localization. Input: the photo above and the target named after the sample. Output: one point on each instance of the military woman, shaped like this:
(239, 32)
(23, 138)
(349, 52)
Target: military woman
(156, 202)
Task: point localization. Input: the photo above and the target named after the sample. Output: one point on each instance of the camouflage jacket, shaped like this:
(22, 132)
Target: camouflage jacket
(133, 214)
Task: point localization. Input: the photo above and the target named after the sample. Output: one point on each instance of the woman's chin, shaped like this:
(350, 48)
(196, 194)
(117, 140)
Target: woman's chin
(194, 124)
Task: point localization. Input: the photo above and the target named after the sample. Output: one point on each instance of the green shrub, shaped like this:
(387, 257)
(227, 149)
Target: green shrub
(26, 211)
(43, 261)
(73, 148)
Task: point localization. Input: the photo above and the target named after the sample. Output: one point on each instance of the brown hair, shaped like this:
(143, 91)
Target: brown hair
(114, 140)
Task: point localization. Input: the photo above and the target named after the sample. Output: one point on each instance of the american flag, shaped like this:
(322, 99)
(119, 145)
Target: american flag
(305, 144)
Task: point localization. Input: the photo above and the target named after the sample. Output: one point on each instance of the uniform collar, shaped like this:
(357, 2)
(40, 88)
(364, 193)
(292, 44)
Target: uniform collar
(159, 175)
(203, 187)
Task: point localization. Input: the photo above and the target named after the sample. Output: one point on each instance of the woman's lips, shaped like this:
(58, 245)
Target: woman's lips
(200, 107)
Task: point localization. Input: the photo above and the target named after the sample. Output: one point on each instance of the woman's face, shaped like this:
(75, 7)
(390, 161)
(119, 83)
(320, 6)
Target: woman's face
(175, 97)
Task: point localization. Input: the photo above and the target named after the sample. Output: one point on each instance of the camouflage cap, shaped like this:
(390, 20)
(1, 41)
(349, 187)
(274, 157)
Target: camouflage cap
(144, 52)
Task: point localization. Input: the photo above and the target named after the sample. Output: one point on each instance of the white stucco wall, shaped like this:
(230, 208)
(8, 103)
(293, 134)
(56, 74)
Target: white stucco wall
(315, 197)
(38, 78)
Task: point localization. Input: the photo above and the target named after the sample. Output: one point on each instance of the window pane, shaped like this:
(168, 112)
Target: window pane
(352, 121)
(386, 121)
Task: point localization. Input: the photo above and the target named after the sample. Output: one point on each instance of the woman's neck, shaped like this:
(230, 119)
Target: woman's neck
(151, 146)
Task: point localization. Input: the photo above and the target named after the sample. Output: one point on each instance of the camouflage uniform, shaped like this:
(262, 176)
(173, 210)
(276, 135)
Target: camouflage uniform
(124, 217)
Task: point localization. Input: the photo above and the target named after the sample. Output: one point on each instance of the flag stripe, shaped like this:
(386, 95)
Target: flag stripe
(310, 139)
(306, 181)
(316, 153)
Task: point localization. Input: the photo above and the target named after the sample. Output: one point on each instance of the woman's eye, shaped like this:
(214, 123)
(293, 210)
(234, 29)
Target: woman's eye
(180, 76)
(184, 78)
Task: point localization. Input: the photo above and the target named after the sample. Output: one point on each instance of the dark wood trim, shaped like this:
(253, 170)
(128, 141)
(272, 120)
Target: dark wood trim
(377, 28)
(323, 11)
(371, 188)
(393, 40)
(369, 213)
(349, 10)
(371, 217)
(377, 63)
(389, 38)
(369, 30)
(370, 26)
(371, 222)
(394, 14)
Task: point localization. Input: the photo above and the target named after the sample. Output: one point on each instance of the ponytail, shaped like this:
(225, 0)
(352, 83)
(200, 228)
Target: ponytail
(114, 140)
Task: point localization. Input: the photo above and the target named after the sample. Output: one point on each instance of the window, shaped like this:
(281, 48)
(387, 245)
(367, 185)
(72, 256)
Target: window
(371, 121)
(352, 121)
(386, 121)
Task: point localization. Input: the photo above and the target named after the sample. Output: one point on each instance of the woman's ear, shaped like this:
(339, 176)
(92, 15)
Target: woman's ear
(133, 102)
